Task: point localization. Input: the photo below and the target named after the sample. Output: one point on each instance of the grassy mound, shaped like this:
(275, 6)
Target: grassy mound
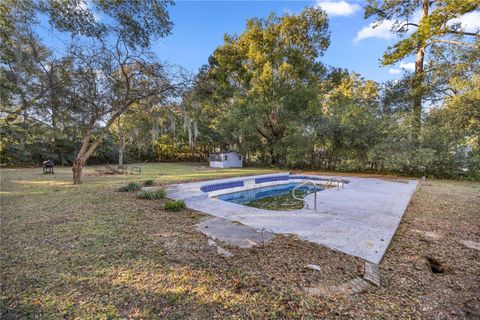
(148, 183)
(152, 195)
(131, 187)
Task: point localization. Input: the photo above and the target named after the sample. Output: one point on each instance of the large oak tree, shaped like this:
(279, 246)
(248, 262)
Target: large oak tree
(273, 74)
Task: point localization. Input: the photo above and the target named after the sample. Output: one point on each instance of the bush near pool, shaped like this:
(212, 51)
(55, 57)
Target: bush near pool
(175, 206)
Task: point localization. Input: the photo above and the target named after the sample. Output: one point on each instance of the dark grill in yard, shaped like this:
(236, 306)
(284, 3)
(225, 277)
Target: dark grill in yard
(48, 167)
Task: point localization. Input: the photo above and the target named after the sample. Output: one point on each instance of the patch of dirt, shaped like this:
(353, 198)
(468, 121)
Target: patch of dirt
(436, 266)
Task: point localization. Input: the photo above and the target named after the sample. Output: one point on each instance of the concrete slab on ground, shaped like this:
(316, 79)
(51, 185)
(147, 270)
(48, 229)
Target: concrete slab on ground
(234, 234)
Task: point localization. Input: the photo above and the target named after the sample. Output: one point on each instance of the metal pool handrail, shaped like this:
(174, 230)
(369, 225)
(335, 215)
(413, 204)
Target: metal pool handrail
(335, 179)
(302, 199)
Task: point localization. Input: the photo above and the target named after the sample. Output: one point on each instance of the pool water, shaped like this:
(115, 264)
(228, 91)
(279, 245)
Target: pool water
(278, 197)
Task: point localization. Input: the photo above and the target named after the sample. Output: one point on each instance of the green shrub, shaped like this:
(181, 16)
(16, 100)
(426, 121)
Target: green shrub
(148, 182)
(175, 206)
(152, 195)
(131, 187)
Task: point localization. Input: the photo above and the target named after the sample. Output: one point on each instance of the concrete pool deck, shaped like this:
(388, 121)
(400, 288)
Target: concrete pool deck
(359, 219)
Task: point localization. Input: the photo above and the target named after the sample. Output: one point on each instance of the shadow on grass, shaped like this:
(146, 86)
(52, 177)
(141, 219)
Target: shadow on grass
(88, 252)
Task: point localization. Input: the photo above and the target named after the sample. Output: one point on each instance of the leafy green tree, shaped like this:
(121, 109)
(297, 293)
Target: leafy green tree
(453, 130)
(264, 92)
(272, 74)
(347, 123)
(30, 77)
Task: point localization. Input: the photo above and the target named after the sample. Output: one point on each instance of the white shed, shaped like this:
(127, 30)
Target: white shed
(226, 159)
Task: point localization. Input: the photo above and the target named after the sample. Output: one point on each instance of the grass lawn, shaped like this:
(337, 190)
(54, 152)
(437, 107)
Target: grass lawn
(90, 252)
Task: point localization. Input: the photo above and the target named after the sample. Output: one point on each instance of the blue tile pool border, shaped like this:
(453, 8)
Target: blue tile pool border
(221, 186)
(259, 180)
(272, 179)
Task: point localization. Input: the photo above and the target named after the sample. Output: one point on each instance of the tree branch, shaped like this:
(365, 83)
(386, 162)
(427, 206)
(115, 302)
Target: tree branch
(406, 25)
(460, 43)
(464, 33)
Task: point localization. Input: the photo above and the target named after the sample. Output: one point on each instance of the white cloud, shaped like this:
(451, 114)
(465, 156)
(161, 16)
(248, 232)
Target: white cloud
(338, 8)
(409, 66)
(394, 71)
(404, 66)
(383, 30)
(470, 21)
(376, 30)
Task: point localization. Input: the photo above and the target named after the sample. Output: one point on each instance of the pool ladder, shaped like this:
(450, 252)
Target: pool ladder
(302, 199)
(327, 183)
(338, 181)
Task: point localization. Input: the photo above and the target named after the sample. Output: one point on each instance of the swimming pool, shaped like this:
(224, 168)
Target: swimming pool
(282, 192)
(357, 216)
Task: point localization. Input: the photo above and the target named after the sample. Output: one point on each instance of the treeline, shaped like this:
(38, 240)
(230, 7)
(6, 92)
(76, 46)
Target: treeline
(354, 125)
(146, 137)
(265, 93)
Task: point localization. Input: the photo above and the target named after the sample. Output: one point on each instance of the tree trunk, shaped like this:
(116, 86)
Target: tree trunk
(83, 155)
(419, 78)
(87, 149)
(121, 142)
(273, 158)
(77, 169)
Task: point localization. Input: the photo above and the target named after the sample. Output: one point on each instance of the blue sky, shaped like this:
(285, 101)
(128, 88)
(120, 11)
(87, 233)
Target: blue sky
(200, 27)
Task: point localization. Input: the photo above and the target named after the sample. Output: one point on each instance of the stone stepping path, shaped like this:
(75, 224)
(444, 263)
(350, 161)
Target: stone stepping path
(371, 277)
(356, 285)
(428, 234)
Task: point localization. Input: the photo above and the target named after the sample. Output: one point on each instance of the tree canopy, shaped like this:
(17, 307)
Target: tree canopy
(434, 29)
(105, 97)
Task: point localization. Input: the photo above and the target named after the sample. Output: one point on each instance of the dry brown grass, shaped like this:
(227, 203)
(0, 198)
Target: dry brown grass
(87, 251)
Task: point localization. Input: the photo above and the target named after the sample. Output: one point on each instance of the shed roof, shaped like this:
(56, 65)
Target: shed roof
(223, 152)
